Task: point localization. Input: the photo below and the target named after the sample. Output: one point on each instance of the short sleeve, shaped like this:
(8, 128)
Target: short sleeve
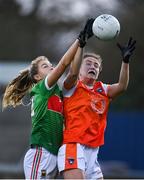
(46, 84)
(105, 87)
(68, 92)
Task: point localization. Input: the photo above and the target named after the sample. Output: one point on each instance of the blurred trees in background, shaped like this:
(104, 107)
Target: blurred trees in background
(29, 28)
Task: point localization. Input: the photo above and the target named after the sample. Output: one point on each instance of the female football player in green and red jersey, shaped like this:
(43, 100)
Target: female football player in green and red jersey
(40, 79)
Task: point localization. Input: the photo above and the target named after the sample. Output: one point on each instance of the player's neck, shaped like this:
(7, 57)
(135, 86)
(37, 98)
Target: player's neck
(89, 82)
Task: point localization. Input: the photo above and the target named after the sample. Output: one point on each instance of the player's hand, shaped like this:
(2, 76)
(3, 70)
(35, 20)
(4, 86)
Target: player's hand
(127, 49)
(86, 33)
(82, 39)
(89, 30)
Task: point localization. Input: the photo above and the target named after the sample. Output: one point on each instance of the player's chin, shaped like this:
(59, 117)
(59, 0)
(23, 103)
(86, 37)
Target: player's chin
(92, 76)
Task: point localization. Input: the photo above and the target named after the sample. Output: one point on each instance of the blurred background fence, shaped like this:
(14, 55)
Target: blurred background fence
(29, 28)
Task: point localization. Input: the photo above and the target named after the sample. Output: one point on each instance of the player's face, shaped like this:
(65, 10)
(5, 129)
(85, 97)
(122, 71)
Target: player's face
(44, 68)
(90, 68)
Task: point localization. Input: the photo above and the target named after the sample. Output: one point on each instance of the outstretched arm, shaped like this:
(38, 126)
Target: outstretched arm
(115, 89)
(57, 72)
(72, 76)
(84, 35)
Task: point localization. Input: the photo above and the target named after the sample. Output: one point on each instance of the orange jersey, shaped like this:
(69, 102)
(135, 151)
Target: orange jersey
(85, 115)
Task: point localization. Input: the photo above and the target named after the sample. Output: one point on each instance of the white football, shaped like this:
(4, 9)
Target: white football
(106, 27)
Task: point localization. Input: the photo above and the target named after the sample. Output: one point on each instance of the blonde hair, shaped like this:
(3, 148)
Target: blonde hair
(20, 85)
(96, 56)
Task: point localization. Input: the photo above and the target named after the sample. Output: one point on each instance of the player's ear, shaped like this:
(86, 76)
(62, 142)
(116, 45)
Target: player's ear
(100, 69)
(37, 77)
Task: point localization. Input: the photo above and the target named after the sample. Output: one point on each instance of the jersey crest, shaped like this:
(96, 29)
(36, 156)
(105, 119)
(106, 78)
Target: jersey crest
(98, 104)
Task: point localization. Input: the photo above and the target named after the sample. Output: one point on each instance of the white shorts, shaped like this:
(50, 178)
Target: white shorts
(40, 164)
(75, 155)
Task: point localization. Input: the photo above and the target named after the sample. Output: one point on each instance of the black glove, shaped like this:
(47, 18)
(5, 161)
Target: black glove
(89, 27)
(82, 39)
(86, 33)
(127, 50)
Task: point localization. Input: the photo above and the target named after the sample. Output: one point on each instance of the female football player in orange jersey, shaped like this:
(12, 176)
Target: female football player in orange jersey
(86, 103)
